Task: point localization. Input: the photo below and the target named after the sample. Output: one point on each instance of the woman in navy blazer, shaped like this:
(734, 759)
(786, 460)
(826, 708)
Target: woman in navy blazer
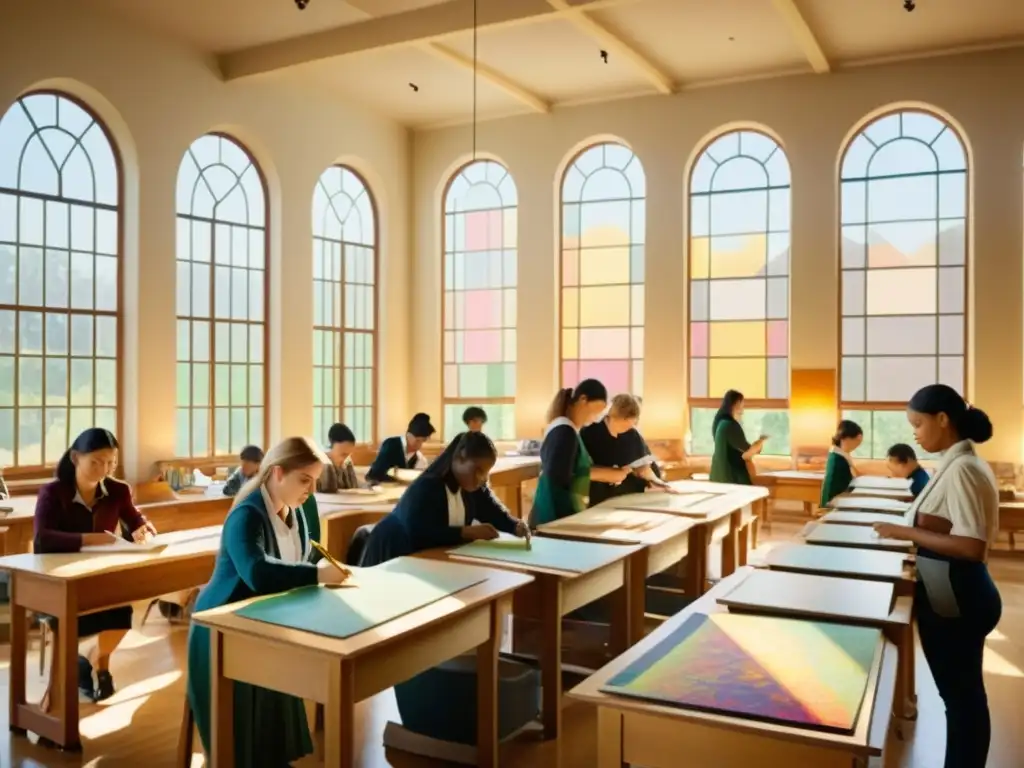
(264, 549)
(441, 505)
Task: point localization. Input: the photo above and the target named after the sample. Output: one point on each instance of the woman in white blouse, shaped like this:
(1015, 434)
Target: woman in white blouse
(953, 521)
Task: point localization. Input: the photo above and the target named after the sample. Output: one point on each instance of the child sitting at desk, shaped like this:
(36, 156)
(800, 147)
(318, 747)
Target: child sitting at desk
(85, 507)
(615, 442)
(249, 464)
(902, 462)
(441, 505)
(839, 469)
(264, 549)
(339, 473)
(402, 451)
(474, 418)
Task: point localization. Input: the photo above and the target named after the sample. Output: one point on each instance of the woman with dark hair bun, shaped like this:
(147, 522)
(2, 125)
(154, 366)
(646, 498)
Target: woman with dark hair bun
(86, 507)
(732, 461)
(953, 522)
(839, 469)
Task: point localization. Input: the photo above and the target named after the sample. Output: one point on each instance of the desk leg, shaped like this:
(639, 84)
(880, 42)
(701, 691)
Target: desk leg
(904, 707)
(222, 707)
(696, 576)
(340, 717)
(551, 653)
(18, 666)
(743, 542)
(609, 739)
(729, 544)
(628, 604)
(487, 694)
(64, 696)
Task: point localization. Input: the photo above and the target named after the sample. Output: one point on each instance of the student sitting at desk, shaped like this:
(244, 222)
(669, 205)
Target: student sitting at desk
(902, 462)
(248, 465)
(954, 522)
(474, 418)
(615, 442)
(85, 507)
(839, 469)
(402, 451)
(264, 549)
(339, 473)
(733, 456)
(566, 469)
(441, 505)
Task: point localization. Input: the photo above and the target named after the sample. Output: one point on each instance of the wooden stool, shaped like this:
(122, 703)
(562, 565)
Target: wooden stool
(185, 736)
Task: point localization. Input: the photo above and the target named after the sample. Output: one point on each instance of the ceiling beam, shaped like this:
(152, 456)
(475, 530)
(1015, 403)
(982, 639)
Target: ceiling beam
(804, 35)
(489, 75)
(422, 25)
(576, 14)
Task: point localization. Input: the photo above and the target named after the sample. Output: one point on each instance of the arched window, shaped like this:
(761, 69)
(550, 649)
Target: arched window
(480, 208)
(221, 299)
(739, 286)
(903, 255)
(344, 304)
(60, 278)
(604, 223)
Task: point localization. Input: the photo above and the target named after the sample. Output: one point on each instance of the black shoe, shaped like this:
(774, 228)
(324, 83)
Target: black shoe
(85, 681)
(104, 685)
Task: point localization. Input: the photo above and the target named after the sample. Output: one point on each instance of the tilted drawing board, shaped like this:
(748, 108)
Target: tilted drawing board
(547, 553)
(626, 526)
(853, 536)
(798, 673)
(687, 504)
(838, 561)
(382, 593)
(870, 504)
(881, 483)
(856, 517)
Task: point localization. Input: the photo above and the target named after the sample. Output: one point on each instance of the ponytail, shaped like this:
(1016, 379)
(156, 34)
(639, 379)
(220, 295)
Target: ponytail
(969, 422)
(560, 405)
(466, 445)
(846, 430)
(592, 389)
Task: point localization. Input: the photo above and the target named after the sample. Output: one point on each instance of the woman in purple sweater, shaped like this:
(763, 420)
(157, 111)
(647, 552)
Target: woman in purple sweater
(85, 507)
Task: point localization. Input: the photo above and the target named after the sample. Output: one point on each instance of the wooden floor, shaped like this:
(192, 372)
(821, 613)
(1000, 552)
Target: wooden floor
(139, 725)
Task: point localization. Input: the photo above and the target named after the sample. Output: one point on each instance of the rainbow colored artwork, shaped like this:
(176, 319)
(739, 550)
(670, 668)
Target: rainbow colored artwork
(803, 673)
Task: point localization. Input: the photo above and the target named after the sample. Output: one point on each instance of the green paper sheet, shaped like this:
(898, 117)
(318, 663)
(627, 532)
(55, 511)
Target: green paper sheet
(385, 592)
(559, 554)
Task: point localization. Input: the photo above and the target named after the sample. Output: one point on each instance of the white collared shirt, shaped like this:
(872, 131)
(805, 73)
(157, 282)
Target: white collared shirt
(288, 540)
(963, 490)
(456, 508)
(839, 451)
(101, 491)
(420, 458)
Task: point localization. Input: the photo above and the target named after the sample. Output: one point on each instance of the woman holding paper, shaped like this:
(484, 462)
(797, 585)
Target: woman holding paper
(85, 507)
(448, 504)
(733, 457)
(265, 548)
(615, 443)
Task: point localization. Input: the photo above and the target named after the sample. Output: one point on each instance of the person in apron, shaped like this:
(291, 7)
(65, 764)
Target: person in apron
(733, 458)
(565, 466)
(953, 523)
(839, 469)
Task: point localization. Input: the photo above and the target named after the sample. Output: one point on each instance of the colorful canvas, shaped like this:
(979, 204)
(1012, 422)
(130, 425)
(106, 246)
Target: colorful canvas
(553, 554)
(800, 673)
(384, 593)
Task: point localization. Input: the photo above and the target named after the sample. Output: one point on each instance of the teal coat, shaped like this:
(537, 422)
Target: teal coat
(270, 728)
(838, 476)
(727, 463)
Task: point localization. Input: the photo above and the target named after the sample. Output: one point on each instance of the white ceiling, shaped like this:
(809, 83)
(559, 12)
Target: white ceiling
(534, 54)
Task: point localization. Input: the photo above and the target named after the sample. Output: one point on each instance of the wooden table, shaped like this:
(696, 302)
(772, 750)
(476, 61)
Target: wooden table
(338, 673)
(664, 540)
(635, 732)
(831, 598)
(855, 517)
(507, 478)
(853, 536)
(1011, 519)
(868, 564)
(891, 507)
(553, 594)
(794, 485)
(187, 512)
(67, 585)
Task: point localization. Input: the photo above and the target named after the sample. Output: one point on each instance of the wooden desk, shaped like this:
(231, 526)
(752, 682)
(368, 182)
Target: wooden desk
(635, 732)
(338, 673)
(1011, 519)
(507, 478)
(855, 517)
(67, 585)
(853, 536)
(831, 598)
(890, 507)
(187, 512)
(554, 594)
(869, 564)
(665, 541)
(794, 485)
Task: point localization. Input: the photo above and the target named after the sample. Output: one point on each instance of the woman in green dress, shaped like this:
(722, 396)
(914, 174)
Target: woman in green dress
(264, 549)
(732, 451)
(839, 469)
(565, 466)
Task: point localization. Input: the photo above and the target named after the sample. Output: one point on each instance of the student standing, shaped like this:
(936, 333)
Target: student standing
(448, 504)
(839, 469)
(264, 550)
(615, 443)
(474, 418)
(85, 507)
(902, 462)
(732, 452)
(566, 469)
(954, 521)
(339, 473)
(248, 465)
(402, 451)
